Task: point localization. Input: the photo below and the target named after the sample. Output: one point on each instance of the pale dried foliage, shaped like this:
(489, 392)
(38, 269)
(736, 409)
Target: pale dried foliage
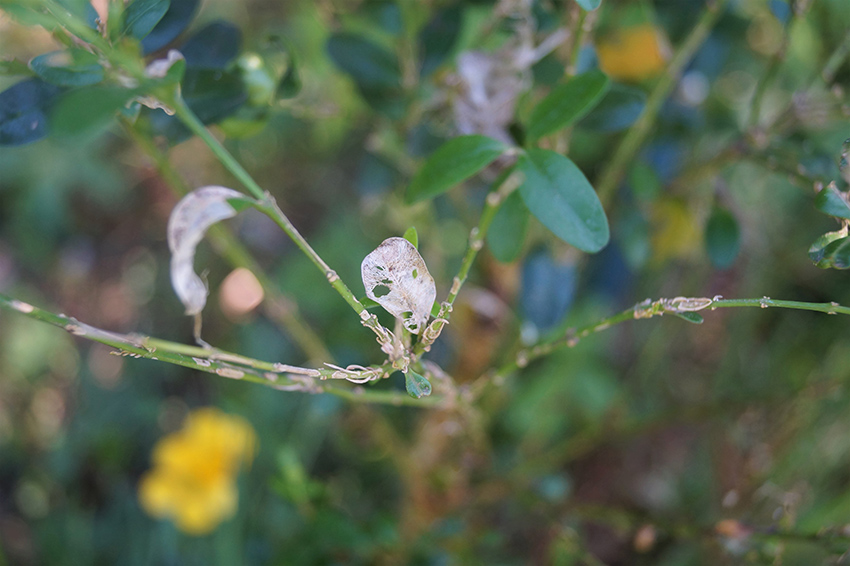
(188, 223)
(404, 286)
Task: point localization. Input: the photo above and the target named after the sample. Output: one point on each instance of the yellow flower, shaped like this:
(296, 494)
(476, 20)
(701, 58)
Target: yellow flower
(632, 54)
(193, 481)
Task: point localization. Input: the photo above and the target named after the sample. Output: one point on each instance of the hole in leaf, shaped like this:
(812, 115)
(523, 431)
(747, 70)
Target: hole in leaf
(415, 273)
(386, 282)
(381, 290)
(406, 314)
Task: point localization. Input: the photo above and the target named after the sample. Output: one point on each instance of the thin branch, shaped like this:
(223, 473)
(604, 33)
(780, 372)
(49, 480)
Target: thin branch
(649, 309)
(279, 307)
(234, 366)
(624, 155)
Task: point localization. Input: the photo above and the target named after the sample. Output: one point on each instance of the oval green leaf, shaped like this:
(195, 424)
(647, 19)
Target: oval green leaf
(833, 202)
(141, 16)
(692, 317)
(74, 67)
(412, 236)
(455, 161)
(23, 111)
(559, 195)
(831, 251)
(369, 65)
(506, 235)
(722, 238)
(566, 104)
(83, 111)
(417, 385)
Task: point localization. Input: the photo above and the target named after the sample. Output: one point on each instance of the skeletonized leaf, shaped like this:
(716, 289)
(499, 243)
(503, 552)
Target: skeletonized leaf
(395, 276)
(187, 225)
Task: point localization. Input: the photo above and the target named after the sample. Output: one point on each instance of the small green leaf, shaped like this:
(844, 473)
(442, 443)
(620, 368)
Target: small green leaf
(507, 232)
(566, 103)
(589, 4)
(692, 317)
(417, 385)
(85, 110)
(833, 202)
(14, 67)
(831, 251)
(722, 238)
(369, 65)
(559, 195)
(412, 236)
(141, 16)
(74, 67)
(23, 111)
(368, 303)
(455, 161)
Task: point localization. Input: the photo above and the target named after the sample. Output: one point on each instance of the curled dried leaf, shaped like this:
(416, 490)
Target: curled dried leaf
(395, 277)
(188, 223)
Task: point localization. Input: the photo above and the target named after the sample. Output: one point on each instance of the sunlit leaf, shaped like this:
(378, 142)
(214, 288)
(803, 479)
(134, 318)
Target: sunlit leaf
(188, 223)
(412, 236)
(559, 195)
(455, 161)
(395, 276)
(566, 104)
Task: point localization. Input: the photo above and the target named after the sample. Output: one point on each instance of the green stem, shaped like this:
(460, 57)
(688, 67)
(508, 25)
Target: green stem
(624, 155)
(268, 206)
(476, 242)
(223, 363)
(649, 309)
(280, 308)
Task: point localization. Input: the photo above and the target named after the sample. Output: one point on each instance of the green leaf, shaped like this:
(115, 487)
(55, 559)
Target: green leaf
(722, 238)
(14, 67)
(589, 4)
(412, 236)
(83, 111)
(178, 17)
(141, 16)
(368, 303)
(692, 317)
(369, 65)
(439, 36)
(23, 111)
(833, 202)
(74, 67)
(566, 103)
(507, 232)
(417, 385)
(455, 161)
(831, 251)
(559, 195)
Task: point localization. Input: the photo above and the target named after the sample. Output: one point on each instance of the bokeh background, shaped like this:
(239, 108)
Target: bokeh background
(656, 442)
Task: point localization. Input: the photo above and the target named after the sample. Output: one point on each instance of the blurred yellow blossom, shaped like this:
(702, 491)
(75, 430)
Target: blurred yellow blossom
(633, 53)
(193, 480)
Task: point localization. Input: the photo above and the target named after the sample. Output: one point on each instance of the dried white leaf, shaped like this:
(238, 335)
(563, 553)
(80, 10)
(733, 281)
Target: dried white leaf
(187, 225)
(395, 277)
(158, 68)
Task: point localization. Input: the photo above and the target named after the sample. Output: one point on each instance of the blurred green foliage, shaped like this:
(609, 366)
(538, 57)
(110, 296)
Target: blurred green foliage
(656, 442)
